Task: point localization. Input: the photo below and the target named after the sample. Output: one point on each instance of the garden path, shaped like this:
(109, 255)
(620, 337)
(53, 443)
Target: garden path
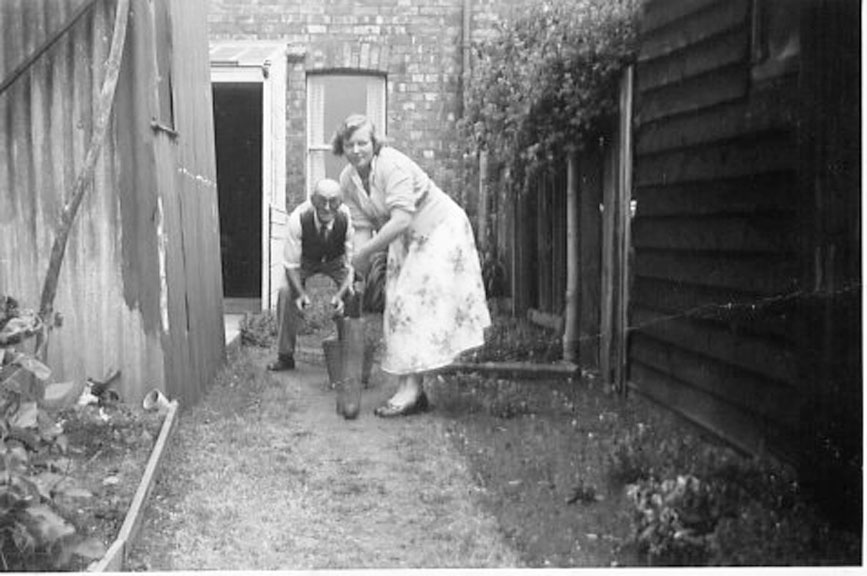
(262, 474)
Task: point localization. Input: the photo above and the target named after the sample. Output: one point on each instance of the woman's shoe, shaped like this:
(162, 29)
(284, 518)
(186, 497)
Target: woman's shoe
(390, 410)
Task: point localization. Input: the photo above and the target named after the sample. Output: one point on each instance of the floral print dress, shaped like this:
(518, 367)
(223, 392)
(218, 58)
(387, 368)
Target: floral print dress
(435, 304)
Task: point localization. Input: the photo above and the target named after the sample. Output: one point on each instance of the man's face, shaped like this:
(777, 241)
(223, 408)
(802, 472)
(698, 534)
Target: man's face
(326, 200)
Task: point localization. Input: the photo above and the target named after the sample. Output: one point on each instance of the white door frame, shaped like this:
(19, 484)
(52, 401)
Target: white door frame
(263, 63)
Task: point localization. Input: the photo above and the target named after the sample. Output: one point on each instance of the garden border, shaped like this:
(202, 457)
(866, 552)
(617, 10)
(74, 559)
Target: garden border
(115, 557)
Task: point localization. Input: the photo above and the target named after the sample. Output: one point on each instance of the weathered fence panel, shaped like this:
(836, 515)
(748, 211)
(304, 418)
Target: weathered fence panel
(115, 287)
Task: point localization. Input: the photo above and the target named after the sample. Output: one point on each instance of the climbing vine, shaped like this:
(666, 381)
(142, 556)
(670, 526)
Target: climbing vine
(547, 79)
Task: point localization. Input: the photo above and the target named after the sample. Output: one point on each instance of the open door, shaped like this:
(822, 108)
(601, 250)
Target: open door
(249, 88)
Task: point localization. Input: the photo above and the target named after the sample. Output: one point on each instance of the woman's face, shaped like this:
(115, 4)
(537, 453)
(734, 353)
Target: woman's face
(358, 148)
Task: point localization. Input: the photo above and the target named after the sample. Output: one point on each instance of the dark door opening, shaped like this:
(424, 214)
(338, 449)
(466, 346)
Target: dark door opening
(238, 141)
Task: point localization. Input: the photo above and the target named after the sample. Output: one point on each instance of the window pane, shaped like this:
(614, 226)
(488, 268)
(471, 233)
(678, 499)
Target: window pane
(331, 98)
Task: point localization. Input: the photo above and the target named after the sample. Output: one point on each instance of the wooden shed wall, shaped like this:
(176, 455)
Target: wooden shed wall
(45, 125)
(109, 293)
(715, 232)
(186, 167)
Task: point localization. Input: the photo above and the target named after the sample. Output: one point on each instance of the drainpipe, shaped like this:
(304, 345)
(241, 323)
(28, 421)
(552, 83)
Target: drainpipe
(467, 14)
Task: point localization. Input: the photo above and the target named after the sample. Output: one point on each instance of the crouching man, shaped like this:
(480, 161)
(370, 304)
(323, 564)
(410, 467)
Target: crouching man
(319, 241)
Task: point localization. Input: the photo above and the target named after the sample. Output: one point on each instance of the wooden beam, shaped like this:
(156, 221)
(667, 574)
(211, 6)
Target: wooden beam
(530, 370)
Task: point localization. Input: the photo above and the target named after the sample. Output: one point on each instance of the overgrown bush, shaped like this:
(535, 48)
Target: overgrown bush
(697, 503)
(515, 339)
(547, 79)
(259, 329)
(33, 536)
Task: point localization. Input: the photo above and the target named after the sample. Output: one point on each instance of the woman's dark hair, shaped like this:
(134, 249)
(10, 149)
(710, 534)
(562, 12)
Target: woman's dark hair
(352, 123)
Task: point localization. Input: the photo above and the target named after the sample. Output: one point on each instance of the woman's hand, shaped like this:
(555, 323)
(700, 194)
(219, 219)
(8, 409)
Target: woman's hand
(361, 261)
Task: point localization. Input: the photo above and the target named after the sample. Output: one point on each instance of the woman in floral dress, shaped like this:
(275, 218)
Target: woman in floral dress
(435, 305)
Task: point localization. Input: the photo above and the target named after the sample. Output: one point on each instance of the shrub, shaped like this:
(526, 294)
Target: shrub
(259, 329)
(510, 339)
(696, 503)
(33, 535)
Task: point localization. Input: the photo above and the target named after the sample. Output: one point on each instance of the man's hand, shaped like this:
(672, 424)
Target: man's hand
(337, 305)
(360, 263)
(302, 301)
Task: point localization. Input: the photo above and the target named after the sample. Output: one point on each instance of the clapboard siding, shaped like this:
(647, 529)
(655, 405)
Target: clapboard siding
(721, 380)
(770, 317)
(755, 194)
(707, 163)
(715, 87)
(769, 358)
(766, 112)
(722, 49)
(759, 275)
(739, 233)
(659, 13)
(707, 21)
(749, 432)
(716, 238)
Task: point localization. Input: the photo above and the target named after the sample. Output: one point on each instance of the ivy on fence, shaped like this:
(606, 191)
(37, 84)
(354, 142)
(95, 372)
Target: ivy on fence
(547, 79)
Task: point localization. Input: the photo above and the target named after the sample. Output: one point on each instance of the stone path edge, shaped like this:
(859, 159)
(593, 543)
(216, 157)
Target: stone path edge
(115, 557)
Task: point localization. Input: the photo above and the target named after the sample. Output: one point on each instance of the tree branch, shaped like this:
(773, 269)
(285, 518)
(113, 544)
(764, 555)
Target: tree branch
(84, 178)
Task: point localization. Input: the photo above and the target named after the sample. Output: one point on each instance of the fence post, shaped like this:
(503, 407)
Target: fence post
(570, 324)
(482, 209)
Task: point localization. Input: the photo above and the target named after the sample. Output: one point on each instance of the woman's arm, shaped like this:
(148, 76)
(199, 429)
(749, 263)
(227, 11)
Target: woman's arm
(397, 224)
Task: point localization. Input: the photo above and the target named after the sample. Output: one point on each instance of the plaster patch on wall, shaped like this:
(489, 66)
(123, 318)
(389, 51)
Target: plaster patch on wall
(197, 177)
(162, 241)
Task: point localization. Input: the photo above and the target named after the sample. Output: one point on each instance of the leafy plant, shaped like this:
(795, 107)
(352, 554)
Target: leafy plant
(547, 80)
(700, 504)
(32, 534)
(258, 329)
(516, 339)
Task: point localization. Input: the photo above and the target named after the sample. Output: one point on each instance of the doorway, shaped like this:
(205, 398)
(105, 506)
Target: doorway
(248, 80)
(238, 142)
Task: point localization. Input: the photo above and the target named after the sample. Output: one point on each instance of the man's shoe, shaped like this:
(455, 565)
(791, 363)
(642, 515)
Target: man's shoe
(282, 363)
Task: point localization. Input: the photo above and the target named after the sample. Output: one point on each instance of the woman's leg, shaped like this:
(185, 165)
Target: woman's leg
(409, 388)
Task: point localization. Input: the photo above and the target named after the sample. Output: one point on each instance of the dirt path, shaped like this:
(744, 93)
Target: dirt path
(264, 475)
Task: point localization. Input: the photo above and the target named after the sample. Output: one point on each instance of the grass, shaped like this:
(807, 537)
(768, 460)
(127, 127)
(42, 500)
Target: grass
(577, 476)
(263, 475)
(538, 451)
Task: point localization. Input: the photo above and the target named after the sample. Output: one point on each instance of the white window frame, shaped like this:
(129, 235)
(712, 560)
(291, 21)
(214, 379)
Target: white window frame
(377, 87)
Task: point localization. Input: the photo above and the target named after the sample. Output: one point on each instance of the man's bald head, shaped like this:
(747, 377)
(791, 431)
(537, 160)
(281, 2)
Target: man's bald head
(326, 198)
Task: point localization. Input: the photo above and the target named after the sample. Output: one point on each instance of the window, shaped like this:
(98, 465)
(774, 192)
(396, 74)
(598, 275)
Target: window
(776, 37)
(330, 99)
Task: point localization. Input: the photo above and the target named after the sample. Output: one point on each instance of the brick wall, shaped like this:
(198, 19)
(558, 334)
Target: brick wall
(416, 43)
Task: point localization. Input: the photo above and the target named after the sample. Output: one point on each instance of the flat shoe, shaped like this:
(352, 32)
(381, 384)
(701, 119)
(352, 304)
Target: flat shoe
(390, 410)
(282, 363)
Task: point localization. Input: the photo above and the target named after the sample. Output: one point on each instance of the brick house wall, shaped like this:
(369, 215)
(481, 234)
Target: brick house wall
(417, 44)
